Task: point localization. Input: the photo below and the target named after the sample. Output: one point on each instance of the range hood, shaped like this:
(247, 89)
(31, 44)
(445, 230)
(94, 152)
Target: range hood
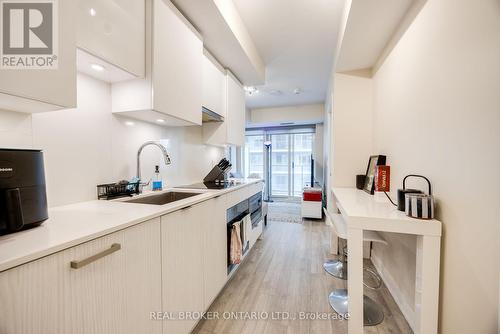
(210, 116)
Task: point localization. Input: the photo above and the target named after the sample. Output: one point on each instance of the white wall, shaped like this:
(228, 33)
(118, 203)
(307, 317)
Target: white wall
(15, 130)
(352, 145)
(304, 113)
(351, 128)
(437, 113)
(89, 145)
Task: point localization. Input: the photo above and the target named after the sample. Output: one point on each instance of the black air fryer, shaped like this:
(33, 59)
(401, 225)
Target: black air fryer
(23, 200)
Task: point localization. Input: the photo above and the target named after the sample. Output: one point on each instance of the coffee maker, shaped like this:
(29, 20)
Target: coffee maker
(23, 198)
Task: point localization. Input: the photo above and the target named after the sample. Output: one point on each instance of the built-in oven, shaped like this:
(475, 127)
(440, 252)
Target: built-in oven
(240, 213)
(255, 207)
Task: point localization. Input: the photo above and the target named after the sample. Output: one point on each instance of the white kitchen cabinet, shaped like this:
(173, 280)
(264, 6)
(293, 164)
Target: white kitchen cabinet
(214, 85)
(172, 89)
(214, 233)
(39, 90)
(232, 130)
(113, 30)
(182, 265)
(113, 294)
(235, 110)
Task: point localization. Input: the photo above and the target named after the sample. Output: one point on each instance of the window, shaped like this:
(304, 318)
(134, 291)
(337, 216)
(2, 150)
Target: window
(289, 165)
(254, 156)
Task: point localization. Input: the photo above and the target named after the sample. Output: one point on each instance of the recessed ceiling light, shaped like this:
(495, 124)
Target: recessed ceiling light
(251, 90)
(97, 67)
(297, 91)
(129, 123)
(92, 12)
(160, 120)
(275, 92)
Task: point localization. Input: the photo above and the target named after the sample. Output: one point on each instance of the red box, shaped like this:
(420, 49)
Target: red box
(383, 178)
(312, 196)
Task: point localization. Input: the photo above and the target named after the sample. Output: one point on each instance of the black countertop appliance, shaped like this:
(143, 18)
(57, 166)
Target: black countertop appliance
(23, 198)
(402, 192)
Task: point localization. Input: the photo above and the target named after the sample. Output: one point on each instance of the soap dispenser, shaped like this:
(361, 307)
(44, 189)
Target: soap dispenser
(157, 182)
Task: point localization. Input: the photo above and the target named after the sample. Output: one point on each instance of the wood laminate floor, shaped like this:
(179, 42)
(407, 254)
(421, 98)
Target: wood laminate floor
(284, 273)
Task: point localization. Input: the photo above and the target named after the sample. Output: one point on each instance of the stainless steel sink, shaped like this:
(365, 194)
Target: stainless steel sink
(163, 198)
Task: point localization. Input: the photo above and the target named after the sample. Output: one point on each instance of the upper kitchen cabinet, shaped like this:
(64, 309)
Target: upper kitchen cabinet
(236, 110)
(171, 93)
(113, 31)
(38, 72)
(214, 85)
(232, 130)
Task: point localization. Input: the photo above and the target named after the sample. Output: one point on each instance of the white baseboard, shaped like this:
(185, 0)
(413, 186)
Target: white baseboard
(406, 309)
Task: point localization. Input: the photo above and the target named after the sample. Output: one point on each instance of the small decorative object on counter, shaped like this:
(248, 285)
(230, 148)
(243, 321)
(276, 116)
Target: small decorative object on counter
(375, 160)
(360, 181)
(417, 204)
(383, 178)
(157, 181)
(404, 191)
(420, 206)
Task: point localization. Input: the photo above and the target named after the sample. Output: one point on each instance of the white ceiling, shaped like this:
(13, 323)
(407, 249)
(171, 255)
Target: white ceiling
(370, 27)
(228, 46)
(296, 39)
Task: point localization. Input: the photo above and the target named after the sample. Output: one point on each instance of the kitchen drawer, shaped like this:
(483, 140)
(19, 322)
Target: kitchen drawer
(112, 294)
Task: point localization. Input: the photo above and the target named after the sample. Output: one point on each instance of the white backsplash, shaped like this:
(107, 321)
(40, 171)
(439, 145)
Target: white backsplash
(89, 145)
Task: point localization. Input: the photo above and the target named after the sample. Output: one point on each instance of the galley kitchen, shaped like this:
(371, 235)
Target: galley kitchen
(235, 166)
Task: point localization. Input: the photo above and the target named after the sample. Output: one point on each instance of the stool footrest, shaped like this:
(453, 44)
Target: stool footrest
(372, 312)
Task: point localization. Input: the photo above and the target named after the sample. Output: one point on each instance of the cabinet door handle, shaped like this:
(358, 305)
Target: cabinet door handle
(89, 260)
(186, 207)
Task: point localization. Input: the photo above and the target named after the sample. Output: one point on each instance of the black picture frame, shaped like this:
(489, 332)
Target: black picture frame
(374, 161)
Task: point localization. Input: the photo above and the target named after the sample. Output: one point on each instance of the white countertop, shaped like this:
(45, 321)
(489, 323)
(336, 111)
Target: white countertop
(364, 212)
(375, 212)
(74, 224)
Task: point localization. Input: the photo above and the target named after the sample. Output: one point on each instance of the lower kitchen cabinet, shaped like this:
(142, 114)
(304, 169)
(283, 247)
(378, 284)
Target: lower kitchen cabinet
(114, 293)
(214, 250)
(176, 264)
(182, 266)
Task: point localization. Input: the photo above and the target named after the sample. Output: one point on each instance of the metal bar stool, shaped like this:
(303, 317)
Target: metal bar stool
(338, 299)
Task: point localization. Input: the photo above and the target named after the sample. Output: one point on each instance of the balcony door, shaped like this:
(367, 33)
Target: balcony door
(290, 163)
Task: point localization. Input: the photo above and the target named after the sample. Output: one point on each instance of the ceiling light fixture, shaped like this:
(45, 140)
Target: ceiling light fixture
(92, 12)
(97, 67)
(251, 90)
(129, 123)
(160, 120)
(297, 91)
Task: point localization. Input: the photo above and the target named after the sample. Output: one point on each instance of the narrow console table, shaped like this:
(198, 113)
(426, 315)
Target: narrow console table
(364, 212)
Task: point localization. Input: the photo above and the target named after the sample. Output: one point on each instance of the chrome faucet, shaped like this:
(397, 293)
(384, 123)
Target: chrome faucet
(166, 157)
